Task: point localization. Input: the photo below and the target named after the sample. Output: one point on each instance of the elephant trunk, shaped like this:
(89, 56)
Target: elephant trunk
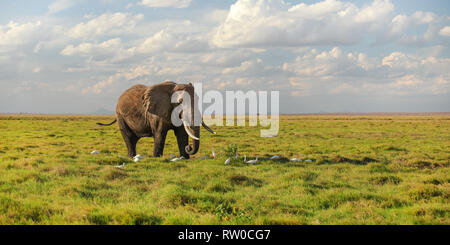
(191, 150)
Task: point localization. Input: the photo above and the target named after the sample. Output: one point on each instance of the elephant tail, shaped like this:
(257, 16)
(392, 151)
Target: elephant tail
(109, 124)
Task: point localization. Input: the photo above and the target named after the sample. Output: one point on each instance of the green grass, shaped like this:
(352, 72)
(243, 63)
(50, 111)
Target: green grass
(365, 170)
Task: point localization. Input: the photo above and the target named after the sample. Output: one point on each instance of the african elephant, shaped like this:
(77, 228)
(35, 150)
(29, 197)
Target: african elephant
(145, 111)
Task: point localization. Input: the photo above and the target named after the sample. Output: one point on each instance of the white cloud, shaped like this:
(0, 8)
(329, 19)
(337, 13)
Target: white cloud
(400, 60)
(14, 34)
(88, 49)
(166, 40)
(248, 67)
(166, 3)
(445, 31)
(110, 51)
(158, 41)
(60, 5)
(331, 63)
(275, 23)
(375, 13)
(404, 28)
(106, 24)
(338, 72)
(258, 23)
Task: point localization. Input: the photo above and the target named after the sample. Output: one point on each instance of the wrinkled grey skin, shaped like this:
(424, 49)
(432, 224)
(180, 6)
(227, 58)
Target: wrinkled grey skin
(145, 111)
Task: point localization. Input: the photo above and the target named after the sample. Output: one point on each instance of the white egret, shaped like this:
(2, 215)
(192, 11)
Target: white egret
(121, 165)
(177, 159)
(245, 158)
(95, 152)
(295, 160)
(252, 161)
(275, 157)
(137, 158)
(227, 161)
(213, 153)
(308, 160)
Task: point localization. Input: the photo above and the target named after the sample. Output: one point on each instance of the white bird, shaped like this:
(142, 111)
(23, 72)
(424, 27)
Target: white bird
(245, 158)
(204, 157)
(172, 156)
(95, 152)
(214, 153)
(308, 160)
(275, 157)
(295, 160)
(121, 165)
(252, 161)
(227, 161)
(177, 159)
(137, 158)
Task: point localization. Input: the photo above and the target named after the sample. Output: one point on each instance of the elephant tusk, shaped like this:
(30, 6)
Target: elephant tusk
(188, 131)
(207, 128)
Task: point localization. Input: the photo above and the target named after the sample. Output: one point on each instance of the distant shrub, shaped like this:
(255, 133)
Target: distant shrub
(379, 168)
(231, 151)
(98, 218)
(115, 174)
(425, 193)
(226, 211)
(382, 180)
(394, 148)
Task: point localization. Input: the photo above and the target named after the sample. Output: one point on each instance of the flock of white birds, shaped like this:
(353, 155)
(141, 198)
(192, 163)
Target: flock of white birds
(173, 158)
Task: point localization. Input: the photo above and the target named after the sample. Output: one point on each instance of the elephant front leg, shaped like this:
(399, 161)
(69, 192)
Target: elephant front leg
(183, 141)
(160, 140)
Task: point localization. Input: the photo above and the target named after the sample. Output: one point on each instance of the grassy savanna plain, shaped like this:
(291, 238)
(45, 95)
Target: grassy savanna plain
(366, 169)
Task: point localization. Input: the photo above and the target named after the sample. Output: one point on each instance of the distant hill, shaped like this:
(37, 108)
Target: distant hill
(101, 111)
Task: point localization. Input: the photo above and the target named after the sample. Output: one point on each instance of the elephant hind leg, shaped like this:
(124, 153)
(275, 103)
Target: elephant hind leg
(129, 137)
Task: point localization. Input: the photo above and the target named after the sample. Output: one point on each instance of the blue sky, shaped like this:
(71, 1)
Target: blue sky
(67, 56)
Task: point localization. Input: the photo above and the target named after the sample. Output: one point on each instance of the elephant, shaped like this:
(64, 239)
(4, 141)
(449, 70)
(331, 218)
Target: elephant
(145, 111)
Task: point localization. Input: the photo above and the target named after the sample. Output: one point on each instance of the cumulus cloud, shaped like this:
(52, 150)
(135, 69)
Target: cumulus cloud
(166, 3)
(15, 34)
(445, 31)
(60, 5)
(276, 23)
(111, 50)
(403, 29)
(334, 62)
(106, 24)
(166, 40)
(249, 67)
(338, 72)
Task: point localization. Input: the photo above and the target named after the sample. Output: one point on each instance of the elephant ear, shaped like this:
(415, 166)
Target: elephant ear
(156, 100)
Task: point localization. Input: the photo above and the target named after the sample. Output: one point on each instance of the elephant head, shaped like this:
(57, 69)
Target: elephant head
(164, 98)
